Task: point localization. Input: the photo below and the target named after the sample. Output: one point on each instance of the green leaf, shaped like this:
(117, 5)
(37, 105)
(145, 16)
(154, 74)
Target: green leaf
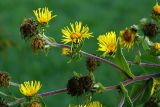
(121, 61)
(142, 91)
(137, 59)
(128, 99)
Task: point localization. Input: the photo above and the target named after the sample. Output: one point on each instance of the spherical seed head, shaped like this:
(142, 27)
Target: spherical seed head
(4, 79)
(37, 44)
(28, 28)
(87, 83)
(91, 64)
(74, 87)
(150, 29)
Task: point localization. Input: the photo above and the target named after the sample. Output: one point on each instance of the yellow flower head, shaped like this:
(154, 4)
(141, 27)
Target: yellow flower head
(92, 104)
(157, 46)
(127, 38)
(43, 15)
(154, 87)
(156, 9)
(76, 34)
(107, 43)
(30, 89)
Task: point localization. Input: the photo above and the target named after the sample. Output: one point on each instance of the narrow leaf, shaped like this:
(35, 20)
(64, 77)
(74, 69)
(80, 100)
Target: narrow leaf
(128, 99)
(121, 61)
(143, 93)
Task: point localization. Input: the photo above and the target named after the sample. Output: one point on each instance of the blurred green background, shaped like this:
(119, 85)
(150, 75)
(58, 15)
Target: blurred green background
(17, 58)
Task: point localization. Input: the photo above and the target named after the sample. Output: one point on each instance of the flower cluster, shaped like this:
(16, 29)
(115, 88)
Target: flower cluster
(110, 43)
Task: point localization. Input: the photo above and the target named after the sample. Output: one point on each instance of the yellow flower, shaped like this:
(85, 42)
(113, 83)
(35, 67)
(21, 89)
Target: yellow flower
(76, 34)
(156, 9)
(127, 38)
(107, 43)
(154, 87)
(30, 89)
(43, 15)
(92, 104)
(157, 46)
(65, 51)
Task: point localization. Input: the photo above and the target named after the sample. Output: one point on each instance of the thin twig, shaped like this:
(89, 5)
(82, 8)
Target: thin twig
(122, 100)
(55, 44)
(137, 78)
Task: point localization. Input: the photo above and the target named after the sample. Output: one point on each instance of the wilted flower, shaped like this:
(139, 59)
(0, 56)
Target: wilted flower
(127, 37)
(4, 79)
(37, 44)
(28, 28)
(91, 63)
(107, 43)
(76, 34)
(30, 88)
(150, 29)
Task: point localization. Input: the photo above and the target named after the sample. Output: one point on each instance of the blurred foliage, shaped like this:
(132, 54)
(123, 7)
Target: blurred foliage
(17, 58)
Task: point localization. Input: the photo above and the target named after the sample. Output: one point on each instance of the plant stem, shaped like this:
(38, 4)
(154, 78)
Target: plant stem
(53, 92)
(55, 44)
(136, 79)
(108, 88)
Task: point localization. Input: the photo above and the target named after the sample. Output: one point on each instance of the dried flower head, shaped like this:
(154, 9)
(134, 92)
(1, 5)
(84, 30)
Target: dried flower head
(30, 88)
(76, 34)
(4, 79)
(37, 44)
(127, 37)
(107, 43)
(74, 87)
(91, 64)
(156, 9)
(28, 28)
(150, 29)
(43, 15)
(86, 82)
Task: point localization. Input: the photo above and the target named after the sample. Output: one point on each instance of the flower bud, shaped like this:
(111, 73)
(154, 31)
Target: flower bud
(91, 64)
